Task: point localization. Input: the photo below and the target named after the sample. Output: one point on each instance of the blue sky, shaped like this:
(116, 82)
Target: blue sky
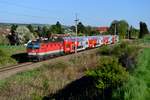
(90, 12)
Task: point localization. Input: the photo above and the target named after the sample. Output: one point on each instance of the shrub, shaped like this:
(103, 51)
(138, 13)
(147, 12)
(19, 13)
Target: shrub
(5, 59)
(124, 52)
(109, 73)
(3, 40)
(120, 49)
(105, 50)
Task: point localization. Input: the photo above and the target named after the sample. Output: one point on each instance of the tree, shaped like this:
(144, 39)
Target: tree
(113, 27)
(30, 27)
(123, 28)
(81, 28)
(91, 31)
(13, 28)
(57, 28)
(73, 28)
(24, 34)
(120, 27)
(88, 30)
(45, 31)
(39, 31)
(13, 39)
(53, 29)
(143, 29)
(133, 32)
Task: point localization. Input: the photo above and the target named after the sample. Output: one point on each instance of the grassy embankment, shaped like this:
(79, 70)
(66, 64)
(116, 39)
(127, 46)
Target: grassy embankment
(47, 79)
(138, 86)
(7, 54)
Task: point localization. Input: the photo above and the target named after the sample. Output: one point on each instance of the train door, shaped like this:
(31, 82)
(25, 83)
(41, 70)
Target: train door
(72, 46)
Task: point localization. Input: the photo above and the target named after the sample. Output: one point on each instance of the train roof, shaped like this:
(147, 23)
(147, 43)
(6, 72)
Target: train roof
(68, 38)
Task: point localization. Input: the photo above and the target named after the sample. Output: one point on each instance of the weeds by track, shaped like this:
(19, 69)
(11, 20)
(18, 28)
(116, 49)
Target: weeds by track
(14, 66)
(14, 69)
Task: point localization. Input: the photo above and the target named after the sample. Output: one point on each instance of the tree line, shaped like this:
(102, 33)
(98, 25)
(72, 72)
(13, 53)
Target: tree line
(20, 34)
(123, 29)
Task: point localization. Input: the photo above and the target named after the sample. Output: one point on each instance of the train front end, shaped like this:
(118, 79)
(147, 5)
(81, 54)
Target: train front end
(33, 49)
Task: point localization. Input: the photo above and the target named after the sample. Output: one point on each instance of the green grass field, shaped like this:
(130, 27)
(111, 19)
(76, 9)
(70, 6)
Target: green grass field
(138, 87)
(13, 49)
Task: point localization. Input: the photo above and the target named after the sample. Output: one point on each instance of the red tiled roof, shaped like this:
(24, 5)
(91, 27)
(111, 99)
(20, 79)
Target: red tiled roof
(102, 28)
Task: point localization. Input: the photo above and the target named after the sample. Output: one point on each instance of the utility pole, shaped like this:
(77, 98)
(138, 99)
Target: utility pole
(76, 24)
(115, 29)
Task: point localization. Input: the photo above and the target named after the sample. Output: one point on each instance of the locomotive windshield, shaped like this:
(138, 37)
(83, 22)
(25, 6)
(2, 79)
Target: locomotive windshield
(33, 45)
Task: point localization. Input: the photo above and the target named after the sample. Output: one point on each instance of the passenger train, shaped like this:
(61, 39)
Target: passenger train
(42, 49)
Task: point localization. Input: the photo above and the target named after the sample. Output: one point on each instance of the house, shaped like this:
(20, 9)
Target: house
(102, 29)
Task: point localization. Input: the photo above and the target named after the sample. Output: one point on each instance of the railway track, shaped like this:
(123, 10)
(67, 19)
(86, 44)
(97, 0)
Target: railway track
(15, 66)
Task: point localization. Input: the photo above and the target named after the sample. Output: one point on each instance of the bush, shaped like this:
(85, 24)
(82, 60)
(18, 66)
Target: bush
(105, 50)
(5, 59)
(108, 76)
(109, 73)
(124, 52)
(3, 40)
